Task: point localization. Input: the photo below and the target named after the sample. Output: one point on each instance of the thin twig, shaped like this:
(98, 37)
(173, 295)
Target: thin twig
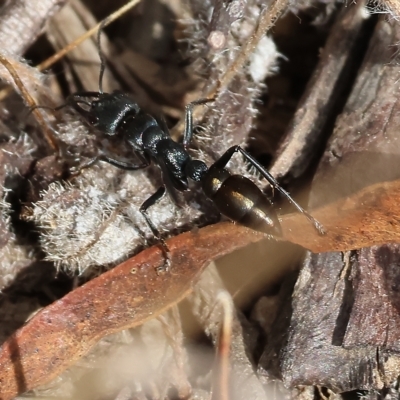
(63, 52)
(106, 21)
(51, 141)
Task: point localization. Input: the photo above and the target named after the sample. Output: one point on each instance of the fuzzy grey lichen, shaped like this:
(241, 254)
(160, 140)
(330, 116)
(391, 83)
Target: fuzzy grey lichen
(15, 159)
(95, 219)
(14, 257)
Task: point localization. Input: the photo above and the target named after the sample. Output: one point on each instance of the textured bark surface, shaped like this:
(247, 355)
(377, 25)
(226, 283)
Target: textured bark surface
(374, 319)
(319, 103)
(343, 332)
(364, 147)
(21, 22)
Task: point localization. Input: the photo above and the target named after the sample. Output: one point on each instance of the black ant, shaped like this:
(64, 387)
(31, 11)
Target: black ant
(120, 118)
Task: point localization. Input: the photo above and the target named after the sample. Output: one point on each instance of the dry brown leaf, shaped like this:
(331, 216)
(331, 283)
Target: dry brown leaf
(368, 217)
(122, 298)
(133, 292)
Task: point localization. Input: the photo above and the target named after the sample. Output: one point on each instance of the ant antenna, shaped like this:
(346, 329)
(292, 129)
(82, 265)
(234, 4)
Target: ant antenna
(101, 56)
(36, 107)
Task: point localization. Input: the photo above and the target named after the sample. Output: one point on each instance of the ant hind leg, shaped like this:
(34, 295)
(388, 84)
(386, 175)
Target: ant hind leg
(224, 159)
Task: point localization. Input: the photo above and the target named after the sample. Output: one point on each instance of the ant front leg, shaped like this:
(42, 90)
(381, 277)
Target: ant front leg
(116, 163)
(221, 163)
(122, 164)
(154, 199)
(188, 133)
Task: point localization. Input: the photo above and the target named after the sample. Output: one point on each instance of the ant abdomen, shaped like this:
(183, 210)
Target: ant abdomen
(239, 199)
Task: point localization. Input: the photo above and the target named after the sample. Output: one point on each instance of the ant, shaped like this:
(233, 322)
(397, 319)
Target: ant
(120, 118)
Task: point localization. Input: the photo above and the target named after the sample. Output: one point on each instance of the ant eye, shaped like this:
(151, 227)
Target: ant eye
(93, 120)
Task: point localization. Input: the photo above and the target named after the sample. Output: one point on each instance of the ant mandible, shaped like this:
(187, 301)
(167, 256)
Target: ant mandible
(120, 118)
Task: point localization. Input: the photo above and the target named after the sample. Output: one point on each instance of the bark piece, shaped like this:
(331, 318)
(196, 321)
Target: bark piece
(314, 354)
(344, 326)
(21, 22)
(374, 317)
(319, 102)
(317, 350)
(364, 149)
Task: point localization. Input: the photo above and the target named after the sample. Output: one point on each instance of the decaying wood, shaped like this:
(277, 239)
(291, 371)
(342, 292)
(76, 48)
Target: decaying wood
(343, 331)
(313, 354)
(363, 149)
(61, 333)
(21, 22)
(374, 319)
(317, 352)
(319, 102)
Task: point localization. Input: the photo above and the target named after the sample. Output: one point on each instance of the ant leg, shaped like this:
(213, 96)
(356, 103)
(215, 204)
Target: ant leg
(122, 164)
(101, 56)
(37, 107)
(154, 199)
(73, 100)
(221, 163)
(188, 132)
(76, 170)
(116, 163)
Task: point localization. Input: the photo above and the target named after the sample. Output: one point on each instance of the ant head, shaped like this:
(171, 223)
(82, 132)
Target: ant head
(106, 111)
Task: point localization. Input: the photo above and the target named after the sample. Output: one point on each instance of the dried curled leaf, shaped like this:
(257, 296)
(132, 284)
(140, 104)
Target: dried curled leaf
(122, 298)
(133, 292)
(368, 217)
